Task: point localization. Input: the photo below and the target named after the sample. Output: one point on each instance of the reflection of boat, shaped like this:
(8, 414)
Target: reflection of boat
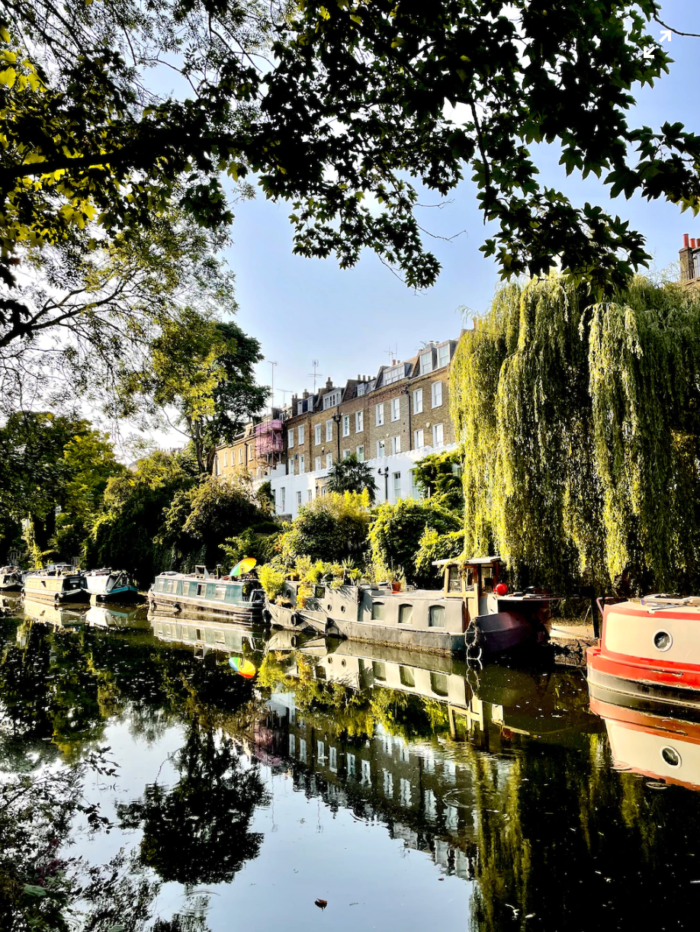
(58, 587)
(649, 651)
(471, 610)
(241, 599)
(652, 744)
(10, 579)
(111, 585)
(102, 616)
(205, 635)
(63, 616)
(9, 606)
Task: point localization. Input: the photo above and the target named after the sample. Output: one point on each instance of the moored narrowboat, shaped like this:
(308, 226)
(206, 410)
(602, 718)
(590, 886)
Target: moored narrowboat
(201, 592)
(649, 652)
(473, 612)
(10, 579)
(108, 585)
(56, 588)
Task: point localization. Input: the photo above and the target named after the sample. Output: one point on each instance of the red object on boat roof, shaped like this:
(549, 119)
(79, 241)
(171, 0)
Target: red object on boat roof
(501, 589)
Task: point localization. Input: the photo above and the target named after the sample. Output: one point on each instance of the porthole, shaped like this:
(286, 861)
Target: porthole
(662, 640)
(671, 757)
(342, 663)
(342, 608)
(330, 660)
(328, 607)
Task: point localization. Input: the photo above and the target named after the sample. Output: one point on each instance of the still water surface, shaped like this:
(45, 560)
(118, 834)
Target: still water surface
(406, 791)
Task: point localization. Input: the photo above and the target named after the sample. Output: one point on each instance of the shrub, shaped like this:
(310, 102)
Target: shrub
(271, 579)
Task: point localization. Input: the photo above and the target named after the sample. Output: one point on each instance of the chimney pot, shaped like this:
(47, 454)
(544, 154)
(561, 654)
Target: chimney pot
(692, 243)
(686, 243)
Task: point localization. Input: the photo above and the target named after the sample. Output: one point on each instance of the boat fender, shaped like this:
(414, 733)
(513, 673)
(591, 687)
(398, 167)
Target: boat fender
(294, 619)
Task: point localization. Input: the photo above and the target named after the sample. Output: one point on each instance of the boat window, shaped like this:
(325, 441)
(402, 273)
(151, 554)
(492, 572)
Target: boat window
(220, 639)
(471, 576)
(487, 587)
(407, 677)
(159, 585)
(438, 684)
(454, 583)
(220, 593)
(320, 592)
(379, 670)
(200, 588)
(378, 611)
(437, 616)
(405, 614)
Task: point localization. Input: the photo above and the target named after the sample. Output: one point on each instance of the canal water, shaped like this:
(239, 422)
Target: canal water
(160, 788)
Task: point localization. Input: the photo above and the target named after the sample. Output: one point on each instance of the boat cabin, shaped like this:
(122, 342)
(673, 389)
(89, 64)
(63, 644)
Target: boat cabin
(203, 591)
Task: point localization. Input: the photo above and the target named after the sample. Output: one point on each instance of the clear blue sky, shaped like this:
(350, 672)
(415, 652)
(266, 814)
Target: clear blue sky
(306, 309)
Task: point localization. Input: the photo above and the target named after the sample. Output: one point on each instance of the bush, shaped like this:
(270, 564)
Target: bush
(436, 546)
(251, 543)
(397, 532)
(272, 580)
(332, 528)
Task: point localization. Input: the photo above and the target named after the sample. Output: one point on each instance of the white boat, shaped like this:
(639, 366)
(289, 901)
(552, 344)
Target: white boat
(108, 585)
(10, 579)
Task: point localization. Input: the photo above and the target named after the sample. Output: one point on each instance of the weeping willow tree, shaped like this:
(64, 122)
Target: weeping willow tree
(581, 426)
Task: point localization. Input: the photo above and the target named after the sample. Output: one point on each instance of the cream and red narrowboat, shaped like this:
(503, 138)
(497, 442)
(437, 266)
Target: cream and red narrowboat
(649, 652)
(47, 587)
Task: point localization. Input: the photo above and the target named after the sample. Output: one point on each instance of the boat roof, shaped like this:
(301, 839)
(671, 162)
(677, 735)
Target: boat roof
(472, 561)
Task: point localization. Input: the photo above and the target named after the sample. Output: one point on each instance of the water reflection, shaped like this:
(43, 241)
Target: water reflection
(502, 779)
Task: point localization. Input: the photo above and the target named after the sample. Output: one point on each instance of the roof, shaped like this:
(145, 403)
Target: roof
(472, 561)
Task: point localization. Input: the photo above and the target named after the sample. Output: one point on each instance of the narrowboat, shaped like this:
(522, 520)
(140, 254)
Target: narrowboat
(653, 743)
(649, 653)
(108, 585)
(201, 593)
(10, 579)
(46, 587)
(473, 612)
(56, 613)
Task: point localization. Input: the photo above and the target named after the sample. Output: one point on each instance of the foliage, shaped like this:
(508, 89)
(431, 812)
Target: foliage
(50, 462)
(462, 88)
(471, 89)
(435, 546)
(90, 318)
(580, 428)
(350, 475)
(251, 543)
(397, 531)
(204, 369)
(272, 580)
(125, 534)
(438, 476)
(202, 516)
(331, 527)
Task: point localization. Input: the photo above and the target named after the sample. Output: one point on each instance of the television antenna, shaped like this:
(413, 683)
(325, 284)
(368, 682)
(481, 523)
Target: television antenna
(393, 353)
(315, 374)
(272, 388)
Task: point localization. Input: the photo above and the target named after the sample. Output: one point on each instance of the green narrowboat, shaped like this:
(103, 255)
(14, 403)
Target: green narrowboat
(202, 592)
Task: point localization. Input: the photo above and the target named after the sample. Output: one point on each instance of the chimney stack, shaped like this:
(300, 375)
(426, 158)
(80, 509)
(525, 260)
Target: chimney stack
(329, 383)
(305, 395)
(686, 258)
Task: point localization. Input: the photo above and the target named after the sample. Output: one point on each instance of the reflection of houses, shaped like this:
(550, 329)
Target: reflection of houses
(425, 790)
(424, 795)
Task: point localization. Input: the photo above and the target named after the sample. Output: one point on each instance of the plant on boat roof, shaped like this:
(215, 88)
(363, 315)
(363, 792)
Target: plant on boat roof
(271, 579)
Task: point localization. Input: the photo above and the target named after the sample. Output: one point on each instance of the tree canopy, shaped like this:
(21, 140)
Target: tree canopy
(344, 110)
(580, 424)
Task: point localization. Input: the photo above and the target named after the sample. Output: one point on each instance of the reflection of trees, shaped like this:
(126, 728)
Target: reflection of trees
(564, 837)
(197, 831)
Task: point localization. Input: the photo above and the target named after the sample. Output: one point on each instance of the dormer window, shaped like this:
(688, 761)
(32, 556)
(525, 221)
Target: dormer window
(394, 374)
(331, 399)
(426, 362)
